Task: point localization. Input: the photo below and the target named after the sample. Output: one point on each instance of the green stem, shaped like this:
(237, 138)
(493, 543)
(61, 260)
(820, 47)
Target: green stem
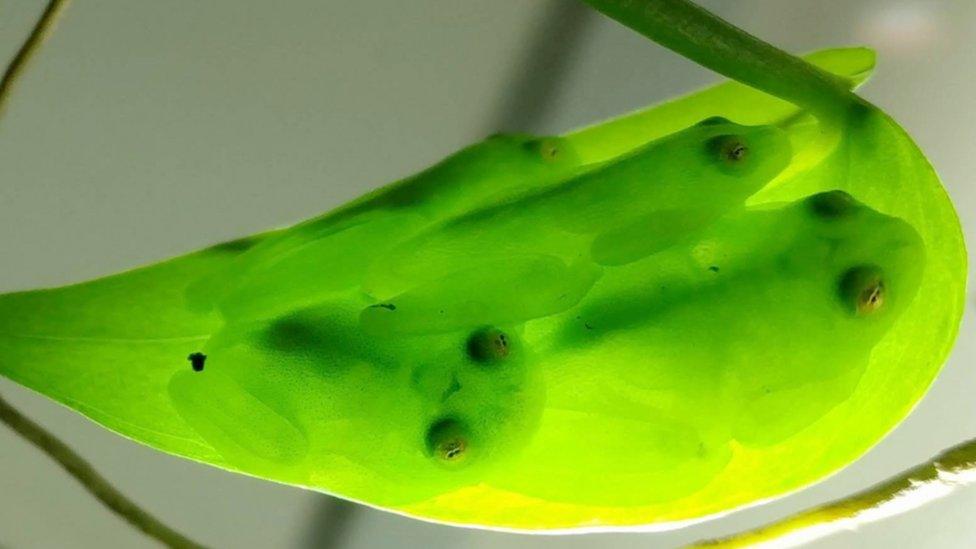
(695, 33)
(95, 483)
(911, 489)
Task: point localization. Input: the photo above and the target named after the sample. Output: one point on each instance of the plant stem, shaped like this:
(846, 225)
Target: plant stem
(92, 481)
(695, 33)
(908, 490)
(40, 32)
(67, 458)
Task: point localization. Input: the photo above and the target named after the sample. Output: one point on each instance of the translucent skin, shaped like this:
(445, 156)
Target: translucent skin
(690, 346)
(409, 356)
(536, 333)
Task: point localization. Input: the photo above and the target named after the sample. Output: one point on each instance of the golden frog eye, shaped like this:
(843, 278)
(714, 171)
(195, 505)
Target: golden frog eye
(488, 344)
(548, 148)
(448, 442)
(863, 289)
(730, 151)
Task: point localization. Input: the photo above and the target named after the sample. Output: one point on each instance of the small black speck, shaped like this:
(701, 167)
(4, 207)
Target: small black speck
(587, 326)
(387, 306)
(713, 268)
(197, 360)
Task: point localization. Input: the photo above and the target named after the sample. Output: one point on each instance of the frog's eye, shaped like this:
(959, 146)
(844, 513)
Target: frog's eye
(862, 289)
(714, 121)
(730, 151)
(488, 345)
(548, 148)
(449, 442)
(831, 204)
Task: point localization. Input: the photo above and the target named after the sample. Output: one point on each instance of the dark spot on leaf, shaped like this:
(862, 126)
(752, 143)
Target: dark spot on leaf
(387, 306)
(196, 361)
(713, 268)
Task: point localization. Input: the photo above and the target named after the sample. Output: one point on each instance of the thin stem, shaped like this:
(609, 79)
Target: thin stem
(67, 458)
(695, 33)
(908, 490)
(40, 32)
(92, 481)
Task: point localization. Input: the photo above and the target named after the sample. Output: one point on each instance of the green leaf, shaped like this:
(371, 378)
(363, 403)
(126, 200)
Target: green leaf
(109, 347)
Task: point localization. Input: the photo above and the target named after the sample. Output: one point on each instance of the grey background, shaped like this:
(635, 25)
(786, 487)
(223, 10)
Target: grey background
(147, 129)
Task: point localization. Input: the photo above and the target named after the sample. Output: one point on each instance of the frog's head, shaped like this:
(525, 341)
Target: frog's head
(849, 273)
(478, 397)
(456, 406)
(874, 261)
(730, 161)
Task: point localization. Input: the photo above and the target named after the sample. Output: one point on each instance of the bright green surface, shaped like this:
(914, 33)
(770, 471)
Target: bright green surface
(653, 319)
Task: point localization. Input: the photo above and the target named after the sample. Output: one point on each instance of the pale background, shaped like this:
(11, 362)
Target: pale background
(151, 128)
